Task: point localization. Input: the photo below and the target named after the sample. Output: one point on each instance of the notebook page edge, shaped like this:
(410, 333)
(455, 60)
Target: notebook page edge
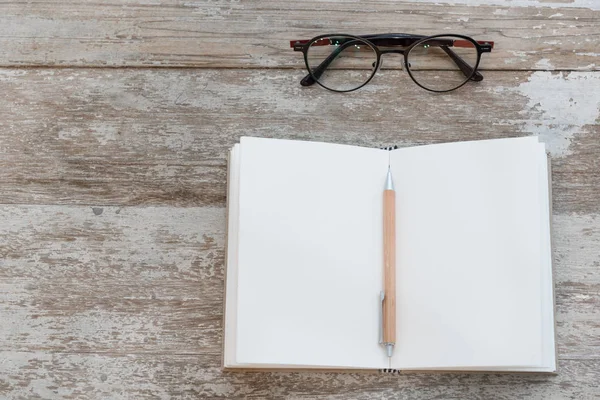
(547, 327)
(230, 284)
(551, 262)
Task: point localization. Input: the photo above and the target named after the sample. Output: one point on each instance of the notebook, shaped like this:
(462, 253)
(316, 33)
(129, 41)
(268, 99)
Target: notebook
(474, 287)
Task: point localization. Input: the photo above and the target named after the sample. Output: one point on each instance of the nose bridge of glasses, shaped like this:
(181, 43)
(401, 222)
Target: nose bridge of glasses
(394, 44)
(389, 51)
(392, 51)
(393, 40)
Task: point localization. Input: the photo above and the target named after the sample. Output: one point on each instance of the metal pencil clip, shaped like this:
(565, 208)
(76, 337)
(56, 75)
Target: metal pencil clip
(381, 297)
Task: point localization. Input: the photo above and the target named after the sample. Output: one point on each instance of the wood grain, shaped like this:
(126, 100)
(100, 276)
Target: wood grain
(111, 279)
(43, 375)
(112, 178)
(138, 280)
(160, 137)
(234, 34)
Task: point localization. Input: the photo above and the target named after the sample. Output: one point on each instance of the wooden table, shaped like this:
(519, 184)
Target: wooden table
(115, 121)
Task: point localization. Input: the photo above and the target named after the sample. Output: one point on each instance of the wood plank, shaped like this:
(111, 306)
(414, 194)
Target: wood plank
(209, 34)
(144, 280)
(160, 137)
(37, 375)
(109, 279)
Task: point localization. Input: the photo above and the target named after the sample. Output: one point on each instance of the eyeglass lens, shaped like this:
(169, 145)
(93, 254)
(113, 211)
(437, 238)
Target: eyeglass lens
(341, 63)
(442, 63)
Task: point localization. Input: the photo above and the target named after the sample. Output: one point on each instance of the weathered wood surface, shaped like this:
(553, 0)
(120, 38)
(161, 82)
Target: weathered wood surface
(150, 280)
(112, 180)
(555, 34)
(125, 302)
(153, 376)
(160, 137)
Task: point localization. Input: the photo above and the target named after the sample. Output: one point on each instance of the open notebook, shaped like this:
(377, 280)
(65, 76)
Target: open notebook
(304, 257)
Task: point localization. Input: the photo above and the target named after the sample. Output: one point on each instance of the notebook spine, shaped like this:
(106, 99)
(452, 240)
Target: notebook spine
(390, 371)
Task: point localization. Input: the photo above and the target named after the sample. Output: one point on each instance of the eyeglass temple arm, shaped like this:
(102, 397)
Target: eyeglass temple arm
(466, 69)
(485, 47)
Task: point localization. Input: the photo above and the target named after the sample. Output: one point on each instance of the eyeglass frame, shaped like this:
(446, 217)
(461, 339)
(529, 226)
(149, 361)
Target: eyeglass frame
(482, 46)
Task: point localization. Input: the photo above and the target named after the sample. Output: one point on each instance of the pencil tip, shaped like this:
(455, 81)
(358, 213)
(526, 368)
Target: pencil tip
(390, 350)
(389, 183)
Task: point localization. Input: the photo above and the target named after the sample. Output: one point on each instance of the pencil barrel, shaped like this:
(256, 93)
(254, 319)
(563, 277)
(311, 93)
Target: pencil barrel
(389, 266)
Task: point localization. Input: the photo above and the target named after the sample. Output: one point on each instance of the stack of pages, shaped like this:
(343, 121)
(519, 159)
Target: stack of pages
(305, 256)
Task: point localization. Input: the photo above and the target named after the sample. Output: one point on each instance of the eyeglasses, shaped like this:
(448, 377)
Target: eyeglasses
(344, 63)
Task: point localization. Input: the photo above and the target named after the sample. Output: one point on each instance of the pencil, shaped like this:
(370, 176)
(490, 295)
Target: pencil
(389, 265)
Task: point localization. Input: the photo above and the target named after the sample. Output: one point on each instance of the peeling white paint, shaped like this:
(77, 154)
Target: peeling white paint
(8, 74)
(566, 103)
(519, 53)
(586, 67)
(545, 64)
(104, 133)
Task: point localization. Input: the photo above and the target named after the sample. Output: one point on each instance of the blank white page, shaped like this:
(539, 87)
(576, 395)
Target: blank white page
(309, 254)
(469, 255)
